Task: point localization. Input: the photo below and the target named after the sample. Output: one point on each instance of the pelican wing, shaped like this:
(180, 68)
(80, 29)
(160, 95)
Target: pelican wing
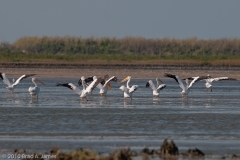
(5, 79)
(133, 88)
(224, 78)
(71, 86)
(160, 87)
(196, 79)
(150, 84)
(87, 80)
(124, 89)
(177, 79)
(1, 75)
(91, 86)
(22, 77)
(113, 78)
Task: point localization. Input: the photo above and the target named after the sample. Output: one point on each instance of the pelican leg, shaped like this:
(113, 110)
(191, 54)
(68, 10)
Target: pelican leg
(206, 89)
(211, 89)
(125, 98)
(86, 98)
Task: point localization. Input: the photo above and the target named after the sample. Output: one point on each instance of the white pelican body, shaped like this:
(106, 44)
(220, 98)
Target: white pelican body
(156, 91)
(104, 87)
(185, 89)
(86, 89)
(128, 90)
(209, 81)
(10, 86)
(34, 91)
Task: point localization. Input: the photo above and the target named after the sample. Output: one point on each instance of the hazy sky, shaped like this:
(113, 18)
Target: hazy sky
(205, 19)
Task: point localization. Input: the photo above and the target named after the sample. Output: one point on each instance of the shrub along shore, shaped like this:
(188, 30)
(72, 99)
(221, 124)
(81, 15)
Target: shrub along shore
(128, 50)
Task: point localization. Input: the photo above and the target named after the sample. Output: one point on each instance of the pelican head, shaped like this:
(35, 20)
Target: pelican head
(109, 86)
(94, 77)
(82, 78)
(36, 80)
(159, 80)
(125, 79)
(188, 81)
(208, 76)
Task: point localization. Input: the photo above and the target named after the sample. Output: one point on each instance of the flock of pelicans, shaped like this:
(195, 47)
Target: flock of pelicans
(103, 84)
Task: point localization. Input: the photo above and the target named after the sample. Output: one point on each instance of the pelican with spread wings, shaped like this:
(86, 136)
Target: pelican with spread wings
(127, 90)
(86, 88)
(209, 81)
(103, 85)
(11, 86)
(189, 81)
(156, 90)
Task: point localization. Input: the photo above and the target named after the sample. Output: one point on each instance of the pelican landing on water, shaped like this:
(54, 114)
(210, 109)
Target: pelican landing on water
(10, 86)
(128, 91)
(209, 81)
(34, 91)
(103, 84)
(156, 90)
(189, 81)
(86, 89)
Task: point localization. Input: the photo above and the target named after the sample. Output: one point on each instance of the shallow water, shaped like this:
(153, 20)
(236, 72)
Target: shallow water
(206, 120)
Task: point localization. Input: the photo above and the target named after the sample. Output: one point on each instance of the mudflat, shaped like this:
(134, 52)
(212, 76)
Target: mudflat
(134, 72)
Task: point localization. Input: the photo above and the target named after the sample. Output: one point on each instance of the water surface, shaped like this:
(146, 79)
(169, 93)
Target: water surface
(206, 120)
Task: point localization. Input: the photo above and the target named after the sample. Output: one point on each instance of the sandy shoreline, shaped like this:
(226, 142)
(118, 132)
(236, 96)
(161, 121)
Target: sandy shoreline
(119, 72)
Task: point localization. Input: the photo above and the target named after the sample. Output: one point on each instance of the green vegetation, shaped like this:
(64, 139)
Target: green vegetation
(125, 50)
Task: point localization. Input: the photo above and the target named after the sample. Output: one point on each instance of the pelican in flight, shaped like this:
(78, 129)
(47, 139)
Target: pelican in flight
(128, 90)
(189, 81)
(86, 89)
(156, 90)
(209, 81)
(10, 86)
(34, 91)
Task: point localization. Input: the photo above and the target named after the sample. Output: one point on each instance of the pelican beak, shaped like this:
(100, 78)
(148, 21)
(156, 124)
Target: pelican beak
(109, 86)
(39, 81)
(126, 79)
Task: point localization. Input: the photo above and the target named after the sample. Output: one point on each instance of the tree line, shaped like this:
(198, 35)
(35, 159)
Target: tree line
(128, 45)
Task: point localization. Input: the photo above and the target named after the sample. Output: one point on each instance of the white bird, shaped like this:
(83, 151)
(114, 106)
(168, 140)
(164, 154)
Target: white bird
(156, 90)
(128, 90)
(86, 89)
(10, 86)
(185, 89)
(106, 85)
(209, 81)
(34, 91)
(101, 81)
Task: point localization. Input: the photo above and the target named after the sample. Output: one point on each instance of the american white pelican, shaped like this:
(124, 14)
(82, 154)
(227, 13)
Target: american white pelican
(156, 90)
(10, 86)
(209, 81)
(105, 85)
(34, 91)
(86, 89)
(102, 83)
(128, 90)
(185, 89)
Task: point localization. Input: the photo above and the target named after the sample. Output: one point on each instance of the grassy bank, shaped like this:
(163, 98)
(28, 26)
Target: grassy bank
(207, 60)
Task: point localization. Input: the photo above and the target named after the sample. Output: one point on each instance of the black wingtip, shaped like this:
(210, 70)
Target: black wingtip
(1, 75)
(147, 84)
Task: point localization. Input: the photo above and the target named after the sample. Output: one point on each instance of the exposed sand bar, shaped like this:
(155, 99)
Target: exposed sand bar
(72, 70)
